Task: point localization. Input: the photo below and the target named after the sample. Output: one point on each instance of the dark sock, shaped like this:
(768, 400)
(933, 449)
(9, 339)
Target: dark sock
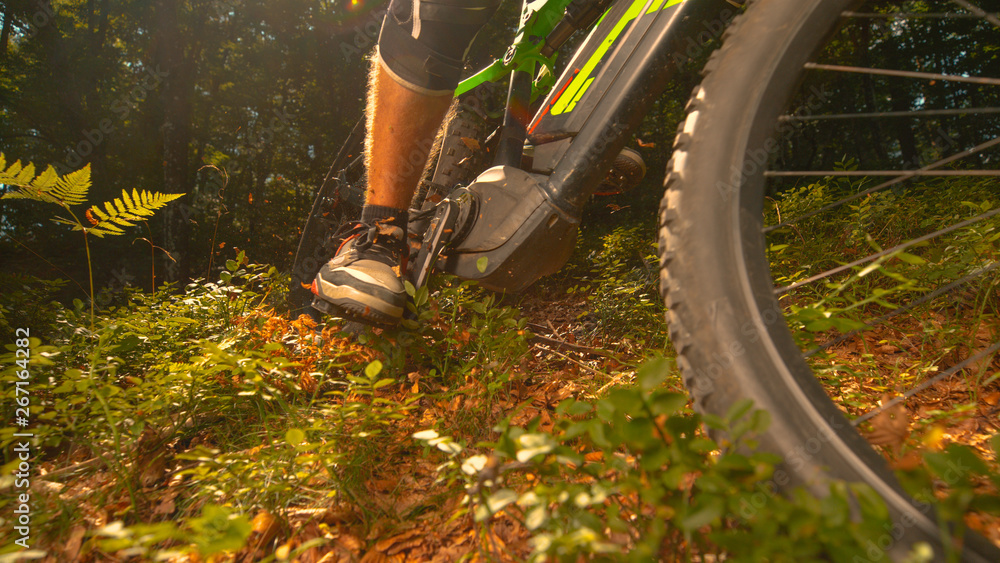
(379, 213)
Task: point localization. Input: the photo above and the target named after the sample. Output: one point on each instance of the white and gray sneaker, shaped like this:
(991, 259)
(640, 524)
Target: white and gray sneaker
(363, 281)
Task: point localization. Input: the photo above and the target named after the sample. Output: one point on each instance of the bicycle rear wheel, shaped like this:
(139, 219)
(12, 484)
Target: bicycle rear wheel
(794, 139)
(338, 201)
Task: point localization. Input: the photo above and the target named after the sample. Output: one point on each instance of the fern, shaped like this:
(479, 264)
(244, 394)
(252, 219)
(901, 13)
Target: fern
(48, 186)
(125, 210)
(71, 189)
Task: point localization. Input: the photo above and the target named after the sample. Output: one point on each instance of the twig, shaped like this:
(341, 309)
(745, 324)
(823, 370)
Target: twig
(218, 215)
(617, 379)
(57, 473)
(548, 323)
(538, 338)
(577, 362)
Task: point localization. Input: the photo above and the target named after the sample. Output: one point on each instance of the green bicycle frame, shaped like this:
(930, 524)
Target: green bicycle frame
(538, 19)
(527, 228)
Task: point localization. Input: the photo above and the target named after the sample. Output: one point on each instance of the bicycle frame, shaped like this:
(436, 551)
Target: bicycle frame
(512, 226)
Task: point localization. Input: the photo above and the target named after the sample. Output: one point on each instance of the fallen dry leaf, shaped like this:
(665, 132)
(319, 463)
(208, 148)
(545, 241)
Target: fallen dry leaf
(400, 542)
(73, 544)
(166, 505)
(889, 427)
(263, 529)
(154, 469)
(911, 460)
(375, 556)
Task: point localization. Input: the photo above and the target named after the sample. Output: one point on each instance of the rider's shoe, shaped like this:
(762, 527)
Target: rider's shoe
(362, 281)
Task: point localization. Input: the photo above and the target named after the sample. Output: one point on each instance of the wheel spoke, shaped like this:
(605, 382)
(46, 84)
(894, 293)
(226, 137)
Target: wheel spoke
(875, 114)
(887, 252)
(943, 290)
(905, 73)
(885, 185)
(943, 375)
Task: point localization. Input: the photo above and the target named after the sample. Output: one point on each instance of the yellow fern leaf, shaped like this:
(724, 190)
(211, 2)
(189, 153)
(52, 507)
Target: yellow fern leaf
(73, 187)
(46, 180)
(101, 216)
(11, 173)
(118, 217)
(105, 229)
(25, 175)
(129, 204)
(47, 186)
(121, 212)
(21, 178)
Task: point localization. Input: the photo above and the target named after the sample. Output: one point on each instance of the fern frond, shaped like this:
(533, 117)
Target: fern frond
(121, 212)
(129, 202)
(46, 180)
(18, 175)
(48, 186)
(106, 229)
(73, 187)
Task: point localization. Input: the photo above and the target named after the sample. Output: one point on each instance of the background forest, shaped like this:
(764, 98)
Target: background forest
(241, 105)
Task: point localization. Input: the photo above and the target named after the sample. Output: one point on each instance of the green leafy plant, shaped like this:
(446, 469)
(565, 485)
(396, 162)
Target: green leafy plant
(633, 477)
(622, 285)
(217, 530)
(71, 190)
(26, 299)
(459, 328)
(970, 482)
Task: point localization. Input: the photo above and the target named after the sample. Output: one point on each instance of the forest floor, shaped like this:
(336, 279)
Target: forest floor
(204, 426)
(397, 507)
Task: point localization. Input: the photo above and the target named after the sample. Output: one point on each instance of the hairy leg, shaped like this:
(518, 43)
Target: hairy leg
(402, 125)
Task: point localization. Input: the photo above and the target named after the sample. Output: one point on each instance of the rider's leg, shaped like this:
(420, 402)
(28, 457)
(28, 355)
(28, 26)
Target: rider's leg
(417, 67)
(402, 124)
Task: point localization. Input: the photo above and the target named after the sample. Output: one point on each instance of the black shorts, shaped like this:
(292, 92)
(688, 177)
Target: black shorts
(423, 44)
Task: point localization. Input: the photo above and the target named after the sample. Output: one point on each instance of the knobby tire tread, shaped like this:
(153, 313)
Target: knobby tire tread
(718, 300)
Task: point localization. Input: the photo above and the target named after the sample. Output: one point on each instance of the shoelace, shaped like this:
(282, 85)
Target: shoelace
(366, 236)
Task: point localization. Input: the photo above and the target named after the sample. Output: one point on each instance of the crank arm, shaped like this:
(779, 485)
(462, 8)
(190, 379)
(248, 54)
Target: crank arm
(449, 224)
(439, 232)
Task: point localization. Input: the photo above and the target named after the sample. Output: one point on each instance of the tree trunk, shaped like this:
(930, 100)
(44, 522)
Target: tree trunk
(177, 90)
(99, 33)
(8, 13)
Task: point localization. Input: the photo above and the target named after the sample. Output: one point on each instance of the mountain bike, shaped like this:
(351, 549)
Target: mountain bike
(826, 118)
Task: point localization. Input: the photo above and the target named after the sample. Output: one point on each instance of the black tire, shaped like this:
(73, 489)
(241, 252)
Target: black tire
(338, 201)
(725, 321)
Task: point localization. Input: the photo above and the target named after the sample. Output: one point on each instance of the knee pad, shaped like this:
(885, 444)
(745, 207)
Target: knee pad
(423, 43)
